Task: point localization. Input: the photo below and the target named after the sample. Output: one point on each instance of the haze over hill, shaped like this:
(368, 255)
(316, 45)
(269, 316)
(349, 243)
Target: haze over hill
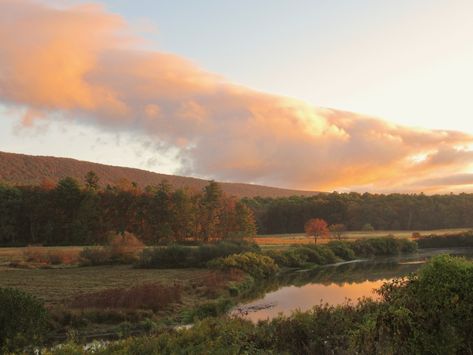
(21, 169)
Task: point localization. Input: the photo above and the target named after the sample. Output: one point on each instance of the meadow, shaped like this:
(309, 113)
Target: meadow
(285, 240)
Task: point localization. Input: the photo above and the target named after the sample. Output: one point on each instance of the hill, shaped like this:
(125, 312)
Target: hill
(21, 169)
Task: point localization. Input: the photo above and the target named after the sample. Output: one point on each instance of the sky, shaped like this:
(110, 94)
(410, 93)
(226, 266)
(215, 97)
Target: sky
(327, 95)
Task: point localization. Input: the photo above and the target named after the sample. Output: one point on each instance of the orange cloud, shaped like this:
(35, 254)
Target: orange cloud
(79, 61)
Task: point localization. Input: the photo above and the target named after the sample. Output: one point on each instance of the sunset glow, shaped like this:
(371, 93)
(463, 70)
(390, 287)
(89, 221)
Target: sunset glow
(83, 69)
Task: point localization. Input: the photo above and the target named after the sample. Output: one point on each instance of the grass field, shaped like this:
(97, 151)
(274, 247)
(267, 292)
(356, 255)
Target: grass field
(60, 285)
(284, 240)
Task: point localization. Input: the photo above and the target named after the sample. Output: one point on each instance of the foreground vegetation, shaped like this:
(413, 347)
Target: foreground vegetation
(430, 312)
(126, 289)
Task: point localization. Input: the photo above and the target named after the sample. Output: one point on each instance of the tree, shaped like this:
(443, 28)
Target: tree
(246, 224)
(91, 181)
(316, 227)
(367, 227)
(211, 209)
(337, 230)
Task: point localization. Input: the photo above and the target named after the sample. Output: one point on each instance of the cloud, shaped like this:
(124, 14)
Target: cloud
(80, 63)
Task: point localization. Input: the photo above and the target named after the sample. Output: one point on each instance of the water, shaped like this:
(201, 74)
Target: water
(333, 285)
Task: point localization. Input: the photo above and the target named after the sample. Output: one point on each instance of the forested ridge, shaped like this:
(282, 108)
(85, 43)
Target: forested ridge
(22, 170)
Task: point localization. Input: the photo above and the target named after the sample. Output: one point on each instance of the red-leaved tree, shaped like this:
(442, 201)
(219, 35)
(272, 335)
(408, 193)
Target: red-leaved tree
(316, 227)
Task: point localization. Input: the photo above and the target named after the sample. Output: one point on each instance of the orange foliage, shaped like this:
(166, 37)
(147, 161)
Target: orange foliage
(49, 256)
(316, 227)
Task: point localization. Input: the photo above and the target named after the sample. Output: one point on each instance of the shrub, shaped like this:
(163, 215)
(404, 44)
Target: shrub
(48, 256)
(342, 250)
(299, 256)
(176, 256)
(383, 246)
(124, 248)
(464, 239)
(367, 227)
(319, 254)
(173, 256)
(431, 312)
(209, 309)
(121, 249)
(22, 320)
(94, 256)
(257, 265)
(152, 296)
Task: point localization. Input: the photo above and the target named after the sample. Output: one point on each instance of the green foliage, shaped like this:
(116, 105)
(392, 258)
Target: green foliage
(91, 256)
(460, 240)
(22, 320)
(177, 256)
(342, 249)
(367, 227)
(257, 265)
(431, 312)
(383, 246)
(383, 212)
(300, 256)
(208, 309)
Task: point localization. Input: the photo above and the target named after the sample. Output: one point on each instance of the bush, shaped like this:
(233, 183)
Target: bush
(300, 256)
(383, 246)
(173, 256)
(121, 249)
(257, 265)
(176, 256)
(91, 256)
(367, 227)
(124, 249)
(342, 250)
(49, 256)
(321, 254)
(22, 320)
(460, 240)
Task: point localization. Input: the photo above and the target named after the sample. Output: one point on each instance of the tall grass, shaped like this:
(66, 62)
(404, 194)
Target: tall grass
(152, 296)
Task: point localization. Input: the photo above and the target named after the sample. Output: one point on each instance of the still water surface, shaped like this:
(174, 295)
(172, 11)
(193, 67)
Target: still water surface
(334, 285)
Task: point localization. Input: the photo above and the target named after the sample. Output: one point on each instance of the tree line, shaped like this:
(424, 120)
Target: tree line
(71, 213)
(357, 211)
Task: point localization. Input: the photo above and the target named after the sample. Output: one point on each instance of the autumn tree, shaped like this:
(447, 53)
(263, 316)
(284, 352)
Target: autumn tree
(337, 230)
(211, 209)
(316, 227)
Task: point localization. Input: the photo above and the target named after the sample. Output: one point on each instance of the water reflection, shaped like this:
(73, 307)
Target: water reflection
(332, 284)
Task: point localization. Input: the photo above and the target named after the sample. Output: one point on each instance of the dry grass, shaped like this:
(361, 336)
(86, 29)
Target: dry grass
(285, 240)
(50, 256)
(154, 296)
(59, 286)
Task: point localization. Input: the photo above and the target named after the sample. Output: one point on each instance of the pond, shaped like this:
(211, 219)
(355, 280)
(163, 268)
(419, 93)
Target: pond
(335, 284)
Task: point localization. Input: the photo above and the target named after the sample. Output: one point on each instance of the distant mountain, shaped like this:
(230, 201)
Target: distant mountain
(20, 169)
